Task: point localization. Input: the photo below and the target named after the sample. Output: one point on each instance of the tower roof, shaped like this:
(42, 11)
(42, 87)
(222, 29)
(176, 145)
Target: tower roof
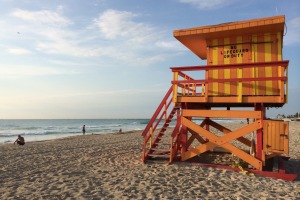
(196, 38)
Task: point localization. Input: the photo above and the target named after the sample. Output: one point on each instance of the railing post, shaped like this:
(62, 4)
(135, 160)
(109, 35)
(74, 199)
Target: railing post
(194, 89)
(206, 92)
(144, 151)
(175, 87)
(280, 83)
(165, 111)
(171, 151)
(286, 85)
(151, 134)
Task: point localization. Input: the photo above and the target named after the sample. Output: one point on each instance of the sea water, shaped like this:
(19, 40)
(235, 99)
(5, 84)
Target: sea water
(47, 129)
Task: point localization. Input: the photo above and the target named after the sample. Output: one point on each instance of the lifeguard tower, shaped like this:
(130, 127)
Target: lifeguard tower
(244, 75)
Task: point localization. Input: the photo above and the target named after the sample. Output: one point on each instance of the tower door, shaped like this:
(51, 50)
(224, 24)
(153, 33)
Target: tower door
(276, 137)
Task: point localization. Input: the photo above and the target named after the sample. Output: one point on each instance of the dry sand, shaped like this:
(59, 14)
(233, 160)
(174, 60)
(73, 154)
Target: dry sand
(109, 167)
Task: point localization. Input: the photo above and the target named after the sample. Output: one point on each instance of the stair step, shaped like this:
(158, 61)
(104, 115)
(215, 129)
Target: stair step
(159, 155)
(161, 150)
(161, 161)
(164, 144)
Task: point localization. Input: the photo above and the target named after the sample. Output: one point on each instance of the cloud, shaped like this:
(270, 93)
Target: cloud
(18, 51)
(17, 71)
(208, 4)
(50, 32)
(114, 24)
(45, 17)
(113, 34)
(171, 45)
(132, 41)
(292, 32)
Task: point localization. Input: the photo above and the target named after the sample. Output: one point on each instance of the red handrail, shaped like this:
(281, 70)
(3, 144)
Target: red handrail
(283, 78)
(283, 63)
(158, 110)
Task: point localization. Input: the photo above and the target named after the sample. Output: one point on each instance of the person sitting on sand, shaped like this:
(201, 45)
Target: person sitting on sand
(20, 140)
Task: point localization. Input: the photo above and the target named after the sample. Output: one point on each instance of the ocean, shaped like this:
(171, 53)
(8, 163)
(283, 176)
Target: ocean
(47, 129)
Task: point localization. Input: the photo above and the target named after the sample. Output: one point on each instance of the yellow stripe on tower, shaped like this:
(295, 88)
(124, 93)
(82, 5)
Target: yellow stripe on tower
(279, 52)
(215, 73)
(254, 58)
(280, 68)
(268, 58)
(239, 59)
(226, 71)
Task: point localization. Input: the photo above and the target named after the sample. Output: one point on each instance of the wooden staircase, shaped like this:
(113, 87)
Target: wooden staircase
(158, 142)
(161, 145)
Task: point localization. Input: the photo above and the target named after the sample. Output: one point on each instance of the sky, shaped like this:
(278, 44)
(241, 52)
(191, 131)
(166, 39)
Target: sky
(77, 59)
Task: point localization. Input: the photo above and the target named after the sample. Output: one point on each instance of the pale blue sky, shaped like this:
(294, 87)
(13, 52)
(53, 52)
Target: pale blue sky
(111, 58)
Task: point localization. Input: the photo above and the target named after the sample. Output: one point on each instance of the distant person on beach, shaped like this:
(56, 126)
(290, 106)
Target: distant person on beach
(83, 129)
(20, 140)
(120, 131)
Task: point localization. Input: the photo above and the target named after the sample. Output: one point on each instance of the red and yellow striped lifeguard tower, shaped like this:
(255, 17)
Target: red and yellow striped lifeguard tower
(244, 75)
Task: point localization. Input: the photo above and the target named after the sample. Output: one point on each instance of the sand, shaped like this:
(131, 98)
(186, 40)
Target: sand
(109, 167)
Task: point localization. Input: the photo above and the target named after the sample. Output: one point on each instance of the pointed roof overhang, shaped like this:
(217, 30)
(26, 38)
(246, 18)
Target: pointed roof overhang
(196, 38)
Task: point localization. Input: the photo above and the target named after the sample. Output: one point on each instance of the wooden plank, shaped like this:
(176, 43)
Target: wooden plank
(265, 136)
(286, 139)
(281, 137)
(222, 113)
(220, 62)
(254, 59)
(247, 72)
(210, 145)
(239, 133)
(197, 136)
(215, 73)
(158, 155)
(233, 99)
(175, 87)
(190, 141)
(271, 137)
(226, 71)
(275, 135)
(226, 131)
(261, 58)
(274, 57)
(268, 69)
(233, 72)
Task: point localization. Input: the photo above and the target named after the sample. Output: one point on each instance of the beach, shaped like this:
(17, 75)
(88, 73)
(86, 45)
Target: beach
(108, 166)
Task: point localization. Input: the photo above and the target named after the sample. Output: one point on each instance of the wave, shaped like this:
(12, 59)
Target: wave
(8, 141)
(42, 129)
(145, 121)
(37, 133)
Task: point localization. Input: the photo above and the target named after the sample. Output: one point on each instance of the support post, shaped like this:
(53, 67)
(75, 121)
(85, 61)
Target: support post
(151, 135)
(259, 134)
(175, 88)
(183, 139)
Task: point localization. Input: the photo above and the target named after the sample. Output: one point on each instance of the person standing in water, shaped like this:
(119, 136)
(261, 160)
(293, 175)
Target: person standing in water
(83, 129)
